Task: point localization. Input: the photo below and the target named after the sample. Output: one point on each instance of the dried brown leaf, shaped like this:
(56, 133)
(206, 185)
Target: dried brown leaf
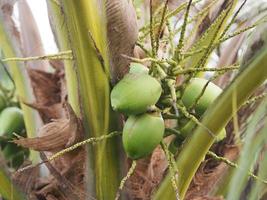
(67, 189)
(55, 135)
(27, 179)
(47, 90)
(54, 111)
(46, 87)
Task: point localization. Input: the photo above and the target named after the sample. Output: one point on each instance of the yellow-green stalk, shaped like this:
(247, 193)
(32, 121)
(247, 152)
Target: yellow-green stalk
(85, 25)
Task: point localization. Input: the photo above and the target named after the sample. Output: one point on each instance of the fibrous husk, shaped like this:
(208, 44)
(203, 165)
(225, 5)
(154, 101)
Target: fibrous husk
(147, 176)
(122, 34)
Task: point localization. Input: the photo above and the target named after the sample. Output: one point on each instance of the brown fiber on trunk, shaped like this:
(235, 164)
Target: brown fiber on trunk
(122, 34)
(147, 176)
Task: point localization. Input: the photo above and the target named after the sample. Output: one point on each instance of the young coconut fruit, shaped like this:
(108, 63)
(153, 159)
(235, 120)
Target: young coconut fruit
(188, 128)
(141, 134)
(11, 120)
(194, 89)
(135, 93)
(137, 68)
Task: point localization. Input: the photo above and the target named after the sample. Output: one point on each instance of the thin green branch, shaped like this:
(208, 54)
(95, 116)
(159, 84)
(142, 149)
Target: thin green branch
(87, 141)
(194, 119)
(205, 69)
(168, 15)
(123, 181)
(182, 35)
(210, 48)
(223, 39)
(173, 169)
(170, 37)
(195, 17)
(71, 148)
(64, 55)
(233, 18)
(254, 99)
(234, 165)
(143, 48)
(238, 32)
(199, 15)
(151, 28)
(161, 24)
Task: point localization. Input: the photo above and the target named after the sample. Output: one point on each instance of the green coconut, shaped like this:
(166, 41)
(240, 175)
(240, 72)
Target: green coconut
(135, 93)
(142, 134)
(194, 89)
(11, 120)
(188, 128)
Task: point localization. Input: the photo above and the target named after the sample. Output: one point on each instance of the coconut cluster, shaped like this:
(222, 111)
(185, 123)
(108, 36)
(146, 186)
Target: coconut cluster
(133, 96)
(137, 92)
